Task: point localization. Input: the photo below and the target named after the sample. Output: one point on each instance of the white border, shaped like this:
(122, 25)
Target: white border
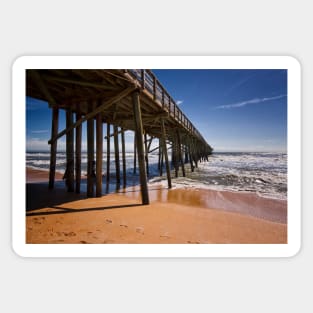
(156, 250)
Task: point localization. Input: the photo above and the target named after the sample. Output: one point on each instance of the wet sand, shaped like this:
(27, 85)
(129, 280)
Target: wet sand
(173, 216)
(37, 176)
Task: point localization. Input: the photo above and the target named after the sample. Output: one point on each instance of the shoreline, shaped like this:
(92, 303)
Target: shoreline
(180, 215)
(38, 176)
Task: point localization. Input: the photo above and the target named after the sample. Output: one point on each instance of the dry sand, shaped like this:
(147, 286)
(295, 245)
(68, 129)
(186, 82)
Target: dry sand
(174, 216)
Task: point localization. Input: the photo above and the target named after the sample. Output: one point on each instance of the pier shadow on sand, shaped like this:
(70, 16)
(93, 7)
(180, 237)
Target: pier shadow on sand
(39, 196)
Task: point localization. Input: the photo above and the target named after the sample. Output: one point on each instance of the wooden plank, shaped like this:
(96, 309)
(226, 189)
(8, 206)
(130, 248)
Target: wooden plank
(77, 82)
(154, 88)
(164, 149)
(156, 148)
(78, 150)
(143, 77)
(123, 158)
(99, 154)
(112, 135)
(69, 172)
(94, 112)
(117, 158)
(140, 148)
(53, 148)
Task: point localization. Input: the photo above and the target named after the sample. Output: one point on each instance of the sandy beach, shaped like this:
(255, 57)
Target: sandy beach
(182, 215)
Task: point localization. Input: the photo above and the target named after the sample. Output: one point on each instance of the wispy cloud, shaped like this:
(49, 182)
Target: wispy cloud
(179, 102)
(41, 131)
(239, 83)
(248, 102)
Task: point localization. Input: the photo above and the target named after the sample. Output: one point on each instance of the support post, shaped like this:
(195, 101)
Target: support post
(99, 152)
(140, 148)
(186, 156)
(78, 150)
(108, 158)
(175, 156)
(90, 157)
(180, 153)
(164, 149)
(124, 158)
(146, 154)
(162, 161)
(135, 153)
(117, 158)
(159, 156)
(53, 148)
(69, 172)
(193, 154)
(190, 159)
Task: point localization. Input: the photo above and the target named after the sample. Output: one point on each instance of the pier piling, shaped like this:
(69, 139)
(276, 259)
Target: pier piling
(78, 151)
(123, 157)
(69, 171)
(108, 159)
(53, 147)
(99, 154)
(140, 148)
(90, 156)
(117, 157)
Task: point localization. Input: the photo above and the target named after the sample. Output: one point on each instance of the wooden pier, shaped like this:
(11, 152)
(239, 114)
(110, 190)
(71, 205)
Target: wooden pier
(124, 100)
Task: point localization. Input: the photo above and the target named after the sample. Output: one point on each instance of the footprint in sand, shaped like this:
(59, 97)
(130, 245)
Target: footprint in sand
(140, 230)
(108, 221)
(192, 241)
(36, 220)
(83, 241)
(70, 234)
(165, 236)
(123, 225)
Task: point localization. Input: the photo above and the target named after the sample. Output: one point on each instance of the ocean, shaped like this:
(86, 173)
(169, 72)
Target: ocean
(261, 173)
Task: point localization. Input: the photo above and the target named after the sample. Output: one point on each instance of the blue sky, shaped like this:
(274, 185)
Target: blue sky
(235, 110)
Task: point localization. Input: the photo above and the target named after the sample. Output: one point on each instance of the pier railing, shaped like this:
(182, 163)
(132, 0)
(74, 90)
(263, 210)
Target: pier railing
(149, 82)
